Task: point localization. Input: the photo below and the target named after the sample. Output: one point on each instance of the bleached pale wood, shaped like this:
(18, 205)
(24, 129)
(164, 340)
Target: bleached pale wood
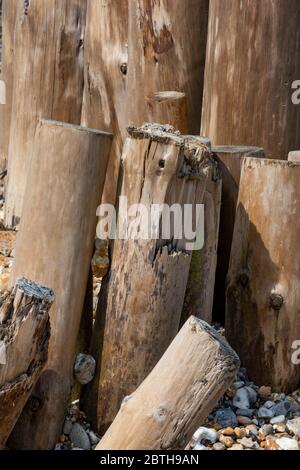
(245, 37)
(47, 82)
(24, 334)
(169, 107)
(262, 319)
(9, 10)
(178, 394)
(294, 156)
(142, 297)
(230, 160)
(200, 287)
(54, 246)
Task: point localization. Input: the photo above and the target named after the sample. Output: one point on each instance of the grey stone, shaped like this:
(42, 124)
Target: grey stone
(238, 384)
(226, 418)
(84, 368)
(269, 404)
(252, 394)
(241, 398)
(204, 434)
(67, 427)
(293, 426)
(281, 408)
(219, 446)
(93, 438)
(278, 419)
(79, 437)
(266, 429)
(265, 413)
(200, 447)
(287, 443)
(248, 443)
(244, 412)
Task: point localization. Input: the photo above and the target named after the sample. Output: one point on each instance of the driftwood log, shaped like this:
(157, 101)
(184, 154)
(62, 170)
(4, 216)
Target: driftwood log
(294, 156)
(142, 297)
(179, 393)
(262, 315)
(230, 160)
(244, 37)
(48, 81)
(54, 246)
(199, 293)
(9, 9)
(24, 336)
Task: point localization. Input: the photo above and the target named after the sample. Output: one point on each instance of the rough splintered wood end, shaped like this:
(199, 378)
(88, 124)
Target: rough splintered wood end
(34, 289)
(163, 133)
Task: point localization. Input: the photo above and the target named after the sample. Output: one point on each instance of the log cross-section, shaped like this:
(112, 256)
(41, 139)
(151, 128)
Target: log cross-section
(24, 336)
(177, 395)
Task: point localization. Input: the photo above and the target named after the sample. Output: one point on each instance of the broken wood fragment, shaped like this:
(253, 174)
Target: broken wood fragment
(24, 336)
(179, 393)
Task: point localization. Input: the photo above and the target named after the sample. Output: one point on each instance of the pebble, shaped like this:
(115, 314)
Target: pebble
(93, 438)
(281, 408)
(265, 412)
(264, 391)
(244, 412)
(266, 429)
(219, 446)
(280, 427)
(240, 432)
(225, 417)
(204, 434)
(79, 437)
(67, 426)
(248, 443)
(293, 425)
(277, 419)
(200, 447)
(228, 432)
(226, 440)
(244, 420)
(236, 447)
(84, 368)
(242, 398)
(287, 443)
(251, 430)
(269, 404)
(238, 384)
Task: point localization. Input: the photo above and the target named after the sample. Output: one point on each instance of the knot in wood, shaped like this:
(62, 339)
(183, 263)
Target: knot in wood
(276, 301)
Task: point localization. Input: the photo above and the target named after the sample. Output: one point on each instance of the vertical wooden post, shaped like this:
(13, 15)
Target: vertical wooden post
(9, 13)
(178, 394)
(262, 314)
(245, 37)
(142, 296)
(47, 82)
(54, 246)
(161, 48)
(230, 161)
(199, 293)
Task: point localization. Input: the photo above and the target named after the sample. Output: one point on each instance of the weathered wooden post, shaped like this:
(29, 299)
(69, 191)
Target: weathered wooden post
(178, 394)
(294, 156)
(142, 296)
(9, 10)
(54, 246)
(25, 331)
(238, 108)
(230, 160)
(262, 314)
(47, 82)
(135, 50)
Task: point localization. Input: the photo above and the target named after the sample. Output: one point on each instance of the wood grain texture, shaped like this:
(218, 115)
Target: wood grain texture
(294, 156)
(9, 10)
(24, 333)
(178, 394)
(48, 82)
(142, 297)
(262, 315)
(252, 60)
(199, 293)
(55, 239)
(230, 160)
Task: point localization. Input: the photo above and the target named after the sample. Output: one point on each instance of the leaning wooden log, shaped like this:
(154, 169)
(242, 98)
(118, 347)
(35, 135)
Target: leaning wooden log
(263, 296)
(230, 161)
(9, 9)
(179, 393)
(142, 296)
(54, 246)
(199, 293)
(294, 156)
(48, 81)
(24, 336)
(244, 37)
